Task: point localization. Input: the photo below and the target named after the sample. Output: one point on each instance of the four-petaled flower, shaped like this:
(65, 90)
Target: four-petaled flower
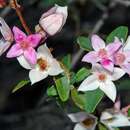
(122, 57)
(102, 54)
(101, 78)
(113, 118)
(84, 121)
(24, 45)
(46, 65)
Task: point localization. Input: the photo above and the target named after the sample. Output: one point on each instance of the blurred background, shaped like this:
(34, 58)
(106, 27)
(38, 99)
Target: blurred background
(28, 109)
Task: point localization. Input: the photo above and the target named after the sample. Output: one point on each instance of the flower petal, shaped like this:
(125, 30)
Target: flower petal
(63, 11)
(106, 116)
(37, 75)
(117, 74)
(107, 64)
(119, 121)
(30, 55)
(113, 47)
(43, 49)
(127, 44)
(109, 89)
(18, 34)
(97, 43)
(54, 68)
(4, 45)
(79, 127)
(34, 39)
(24, 63)
(91, 57)
(90, 83)
(126, 68)
(52, 24)
(14, 51)
(78, 117)
(5, 30)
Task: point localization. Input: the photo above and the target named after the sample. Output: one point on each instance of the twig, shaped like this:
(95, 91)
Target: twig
(96, 28)
(15, 5)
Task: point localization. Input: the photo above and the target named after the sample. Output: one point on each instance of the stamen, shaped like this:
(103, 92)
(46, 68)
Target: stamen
(102, 77)
(120, 58)
(102, 53)
(89, 122)
(42, 63)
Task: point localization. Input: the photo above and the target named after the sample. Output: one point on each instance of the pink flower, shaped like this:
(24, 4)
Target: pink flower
(24, 45)
(53, 20)
(102, 53)
(122, 57)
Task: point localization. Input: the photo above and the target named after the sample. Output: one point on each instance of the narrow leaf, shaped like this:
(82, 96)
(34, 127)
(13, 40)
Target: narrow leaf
(92, 99)
(63, 88)
(82, 74)
(52, 91)
(78, 99)
(120, 32)
(20, 85)
(84, 43)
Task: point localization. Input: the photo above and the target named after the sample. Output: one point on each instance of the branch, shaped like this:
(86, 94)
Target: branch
(14, 5)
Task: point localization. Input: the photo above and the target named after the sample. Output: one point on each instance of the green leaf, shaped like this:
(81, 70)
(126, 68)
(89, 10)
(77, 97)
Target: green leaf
(92, 99)
(78, 99)
(72, 78)
(52, 91)
(102, 127)
(67, 61)
(63, 88)
(120, 32)
(20, 85)
(129, 112)
(82, 74)
(84, 43)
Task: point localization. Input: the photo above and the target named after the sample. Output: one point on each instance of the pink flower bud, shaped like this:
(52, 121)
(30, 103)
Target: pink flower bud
(53, 20)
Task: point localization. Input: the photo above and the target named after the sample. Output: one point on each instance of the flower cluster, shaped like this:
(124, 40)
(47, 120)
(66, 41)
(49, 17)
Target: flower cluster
(109, 63)
(40, 62)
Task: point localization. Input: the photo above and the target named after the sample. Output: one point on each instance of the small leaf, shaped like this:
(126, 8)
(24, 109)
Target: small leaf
(120, 32)
(78, 99)
(92, 99)
(82, 74)
(63, 88)
(84, 43)
(129, 112)
(72, 78)
(102, 127)
(52, 91)
(67, 61)
(20, 85)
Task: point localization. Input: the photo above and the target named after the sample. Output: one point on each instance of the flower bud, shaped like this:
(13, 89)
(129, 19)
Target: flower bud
(7, 36)
(3, 3)
(53, 20)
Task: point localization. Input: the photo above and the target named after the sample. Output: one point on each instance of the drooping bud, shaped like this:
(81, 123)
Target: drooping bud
(53, 20)
(7, 36)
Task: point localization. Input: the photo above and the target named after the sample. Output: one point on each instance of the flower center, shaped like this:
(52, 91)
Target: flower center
(42, 63)
(102, 53)
(120, 58)
(89, 122)
(24, 45)
(102, 77)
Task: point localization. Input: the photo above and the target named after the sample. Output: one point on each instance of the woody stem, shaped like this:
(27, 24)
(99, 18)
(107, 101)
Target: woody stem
(15, 5)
